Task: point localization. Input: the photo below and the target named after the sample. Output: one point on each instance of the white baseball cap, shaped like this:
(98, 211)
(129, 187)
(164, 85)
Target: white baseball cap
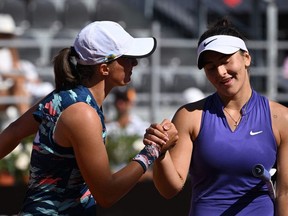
(224, 44)
(7, 24)
(103, 41)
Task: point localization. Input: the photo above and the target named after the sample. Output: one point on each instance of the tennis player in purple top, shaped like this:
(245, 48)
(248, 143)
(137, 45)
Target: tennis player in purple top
(224, 135)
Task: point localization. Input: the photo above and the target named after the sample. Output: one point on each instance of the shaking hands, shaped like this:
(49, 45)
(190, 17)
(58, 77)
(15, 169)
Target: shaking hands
(163, 134)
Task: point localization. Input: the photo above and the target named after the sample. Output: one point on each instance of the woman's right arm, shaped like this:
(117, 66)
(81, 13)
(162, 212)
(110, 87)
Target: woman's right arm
(170, 172)
(79, 126)
(23, 127)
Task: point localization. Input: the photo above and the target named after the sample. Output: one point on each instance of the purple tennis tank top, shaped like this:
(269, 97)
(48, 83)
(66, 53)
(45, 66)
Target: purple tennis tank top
(222, 161)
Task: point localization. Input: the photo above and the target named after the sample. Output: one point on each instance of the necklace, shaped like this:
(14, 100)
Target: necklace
(236, 123)
(242, 113)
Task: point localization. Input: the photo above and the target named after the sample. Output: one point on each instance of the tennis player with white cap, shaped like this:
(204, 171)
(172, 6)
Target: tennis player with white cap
(224, 135)
(110, 42)
(70, 171)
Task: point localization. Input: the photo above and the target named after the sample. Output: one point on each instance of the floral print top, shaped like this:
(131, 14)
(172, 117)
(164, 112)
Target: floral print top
(56, 186)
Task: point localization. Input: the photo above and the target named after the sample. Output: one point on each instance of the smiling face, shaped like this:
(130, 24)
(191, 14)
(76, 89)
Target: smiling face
(227, 73)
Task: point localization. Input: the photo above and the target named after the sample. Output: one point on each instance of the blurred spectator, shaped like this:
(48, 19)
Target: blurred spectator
(125, 122)
(18, 77)
(125, 130)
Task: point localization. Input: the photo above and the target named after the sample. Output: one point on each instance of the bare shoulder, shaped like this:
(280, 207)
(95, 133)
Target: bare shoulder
(279, 117)
(77, 122)
(188, 117)
(79, 113)
(278, 111)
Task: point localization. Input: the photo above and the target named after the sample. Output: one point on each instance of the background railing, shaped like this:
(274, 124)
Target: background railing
(159, 92)
(161, 79)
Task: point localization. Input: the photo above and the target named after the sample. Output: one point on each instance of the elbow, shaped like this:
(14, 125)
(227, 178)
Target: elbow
(169, 194)
(106, 199)
(106, 202)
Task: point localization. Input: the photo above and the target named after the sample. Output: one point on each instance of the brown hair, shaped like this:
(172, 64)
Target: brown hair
(221, 27)
(68, 73)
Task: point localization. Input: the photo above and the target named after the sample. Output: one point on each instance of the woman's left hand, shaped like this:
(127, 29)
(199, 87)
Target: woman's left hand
(164, 134)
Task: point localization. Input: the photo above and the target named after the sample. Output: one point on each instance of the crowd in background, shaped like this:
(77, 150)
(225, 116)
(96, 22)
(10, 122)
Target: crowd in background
(20, 82)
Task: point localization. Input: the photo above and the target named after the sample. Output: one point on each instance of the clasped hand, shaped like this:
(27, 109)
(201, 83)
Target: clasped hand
(164, 134)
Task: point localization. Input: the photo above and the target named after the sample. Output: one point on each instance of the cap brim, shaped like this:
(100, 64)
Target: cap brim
(142, 47)
(221, 49)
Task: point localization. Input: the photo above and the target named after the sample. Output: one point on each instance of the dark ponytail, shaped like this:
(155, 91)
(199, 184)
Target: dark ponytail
(68, 74)
(64, 75)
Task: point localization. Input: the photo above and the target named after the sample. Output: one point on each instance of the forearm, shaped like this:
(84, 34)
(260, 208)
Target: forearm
(122, 182)
(282, 205)
(16, 131)
(7, 143)
(166, 178)
(125, 179)
(281, 201)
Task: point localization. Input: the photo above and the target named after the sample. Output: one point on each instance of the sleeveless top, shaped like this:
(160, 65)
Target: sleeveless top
(56, 186)
(222, 161)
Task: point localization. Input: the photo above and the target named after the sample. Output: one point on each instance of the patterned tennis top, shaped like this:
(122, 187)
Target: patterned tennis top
(56, 186)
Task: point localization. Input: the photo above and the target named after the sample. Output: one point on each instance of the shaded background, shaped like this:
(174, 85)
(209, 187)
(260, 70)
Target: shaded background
(46, 26)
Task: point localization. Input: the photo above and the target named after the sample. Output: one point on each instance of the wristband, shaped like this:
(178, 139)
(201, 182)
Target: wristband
(147, 156)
